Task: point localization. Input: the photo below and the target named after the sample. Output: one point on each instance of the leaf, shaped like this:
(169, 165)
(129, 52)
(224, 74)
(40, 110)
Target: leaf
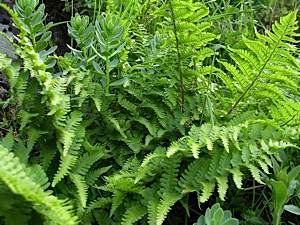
(292, 209)
(133, 214)
(20, 181)
(82, 188)
(208, 188)
(120, 82)
(216, 216)
(280, 195)
(164, 206)
(222, 187)
(237, 177)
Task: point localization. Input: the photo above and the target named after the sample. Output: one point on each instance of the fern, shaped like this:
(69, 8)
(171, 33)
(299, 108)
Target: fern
(140, 114)
(82, 188)
(93, 175)
(164, 206)
(207, 190)
(133, 214)
(69, 161)
(266, 61)
(220, 164)
(209, 134)
(69, 130)
(14, 175)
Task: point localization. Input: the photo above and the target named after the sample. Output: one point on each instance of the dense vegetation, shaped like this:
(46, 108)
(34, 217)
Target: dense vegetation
(160, 112)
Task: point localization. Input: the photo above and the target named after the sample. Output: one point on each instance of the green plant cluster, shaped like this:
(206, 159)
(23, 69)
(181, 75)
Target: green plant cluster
(150, 112)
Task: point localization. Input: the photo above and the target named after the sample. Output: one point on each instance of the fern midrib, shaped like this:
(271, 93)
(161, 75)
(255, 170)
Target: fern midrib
(289, 120)
(260, 72)
(181, 88)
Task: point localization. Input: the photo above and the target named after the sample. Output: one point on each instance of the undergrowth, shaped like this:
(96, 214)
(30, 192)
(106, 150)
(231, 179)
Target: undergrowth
(154, 108)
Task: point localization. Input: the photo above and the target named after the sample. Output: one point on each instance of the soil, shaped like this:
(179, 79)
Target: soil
(5, 26)
(55, 13)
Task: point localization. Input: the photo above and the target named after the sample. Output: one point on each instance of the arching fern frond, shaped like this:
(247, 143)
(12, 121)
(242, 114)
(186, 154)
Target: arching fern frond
(14, 175)
(248, 146)
(205, 136)
(266, 70)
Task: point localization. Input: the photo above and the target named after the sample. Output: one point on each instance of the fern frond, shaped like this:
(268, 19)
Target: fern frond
(131, 107)
(152, 211)
(133, 214)
(85, 162)
(151, 127)
(69, 131)
(93, 175)
(206, 136)
(206, 192)
(222, 187)
(116, 201)
(237, 177)
(149, 163)
(38, 175)
(255, 172)
(69, 161)
(187, 184)
(168, 180)
(82, 188)
(267, 60)
(98, 203)
(164, 206)
(13, 174)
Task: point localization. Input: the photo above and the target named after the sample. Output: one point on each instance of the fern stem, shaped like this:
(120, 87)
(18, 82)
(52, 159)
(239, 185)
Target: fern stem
(179, 68)
(72, 15)
(289, 120)
(107, 78)
(259, 73)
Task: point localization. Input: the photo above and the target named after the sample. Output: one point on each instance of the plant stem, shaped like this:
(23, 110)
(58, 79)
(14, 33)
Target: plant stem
(107, 75)
(181, 87)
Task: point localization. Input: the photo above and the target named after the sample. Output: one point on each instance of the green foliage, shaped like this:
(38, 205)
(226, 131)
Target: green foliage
(146, 111)
(267, 69)
(216, 216)
(30, 184)
(283, 188)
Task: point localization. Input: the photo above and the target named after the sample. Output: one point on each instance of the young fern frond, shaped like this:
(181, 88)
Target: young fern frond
(14, 175)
